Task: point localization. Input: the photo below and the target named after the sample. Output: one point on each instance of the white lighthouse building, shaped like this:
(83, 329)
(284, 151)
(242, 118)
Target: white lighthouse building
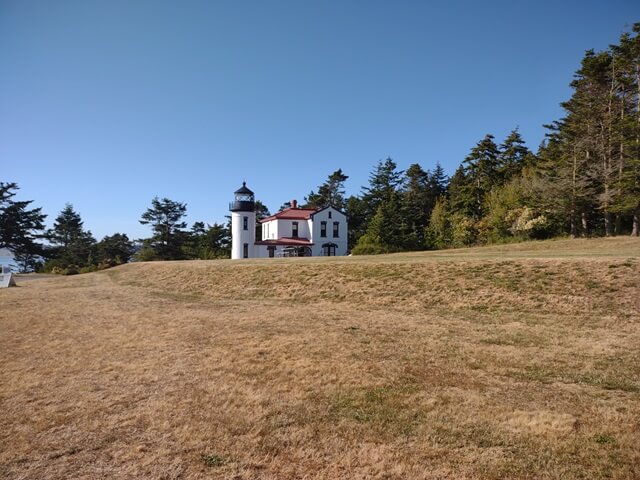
(243, 223)
(292, 232)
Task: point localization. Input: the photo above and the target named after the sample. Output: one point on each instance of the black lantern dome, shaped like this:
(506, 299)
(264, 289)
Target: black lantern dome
(244, 200)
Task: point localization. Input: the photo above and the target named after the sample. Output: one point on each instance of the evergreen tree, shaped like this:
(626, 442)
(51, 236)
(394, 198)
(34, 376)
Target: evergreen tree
(416, 205)
(356, 210)
(438, 232)
(218, 242)
(330, 193)
(386, 231)
(207, 242)
(166, 219)
(591, 116)
(482, 173)
(73, 247)
(460, 192)
(20, 227)
(262, 212)
(512, 157)
(284, 206)
(627, 75)
(562, 186)
(384, 182)
(438, 182)
(115, 249)
(67, 227)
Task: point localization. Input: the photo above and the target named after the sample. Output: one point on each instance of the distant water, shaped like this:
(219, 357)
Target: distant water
(5, 257)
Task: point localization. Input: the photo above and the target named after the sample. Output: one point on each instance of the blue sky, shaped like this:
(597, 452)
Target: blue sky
(108, 104)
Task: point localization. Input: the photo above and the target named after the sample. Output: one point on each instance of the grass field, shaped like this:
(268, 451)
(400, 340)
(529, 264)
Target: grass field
(519, 361)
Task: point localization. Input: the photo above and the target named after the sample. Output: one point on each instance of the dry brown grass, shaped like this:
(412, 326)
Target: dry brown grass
(506, 362)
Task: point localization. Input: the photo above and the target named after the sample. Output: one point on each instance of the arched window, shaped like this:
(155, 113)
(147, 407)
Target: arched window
(329, 249)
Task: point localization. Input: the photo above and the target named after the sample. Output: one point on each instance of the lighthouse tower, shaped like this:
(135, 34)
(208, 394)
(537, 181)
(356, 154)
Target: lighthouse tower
(243, 223)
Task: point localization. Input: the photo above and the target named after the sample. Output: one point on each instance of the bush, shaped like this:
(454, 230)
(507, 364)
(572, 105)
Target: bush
(146, 254)
(68, 270)
(369, 249)
(463, 230)
(88, 269)
(368, 244)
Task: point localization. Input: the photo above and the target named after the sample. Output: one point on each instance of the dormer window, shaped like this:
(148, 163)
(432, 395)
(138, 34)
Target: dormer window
(323, 229)
(294, 230)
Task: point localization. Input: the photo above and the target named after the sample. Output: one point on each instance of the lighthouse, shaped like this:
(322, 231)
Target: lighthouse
(243, 223)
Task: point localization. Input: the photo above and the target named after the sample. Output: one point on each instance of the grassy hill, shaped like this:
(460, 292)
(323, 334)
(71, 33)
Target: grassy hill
(517, 361)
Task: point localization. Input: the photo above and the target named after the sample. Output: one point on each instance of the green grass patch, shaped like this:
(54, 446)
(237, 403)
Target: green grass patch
(383, 409)
(212, 460)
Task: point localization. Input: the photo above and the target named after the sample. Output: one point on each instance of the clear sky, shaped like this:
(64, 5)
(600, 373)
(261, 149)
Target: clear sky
(106, 104)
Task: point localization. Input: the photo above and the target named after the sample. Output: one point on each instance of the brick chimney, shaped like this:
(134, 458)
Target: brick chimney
(294, 204)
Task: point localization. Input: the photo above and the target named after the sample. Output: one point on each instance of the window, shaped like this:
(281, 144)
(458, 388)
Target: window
(323, 229)
(329, 249)
(294, 231)
(245, 223)
(329, 213)
(245, 250)
(272, 251)
(336, 229)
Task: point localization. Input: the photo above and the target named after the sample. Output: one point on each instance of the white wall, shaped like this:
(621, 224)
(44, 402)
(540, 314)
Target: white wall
(270, 230)
(284, 228)
(340, 241)
(240, 236)
(279, 228)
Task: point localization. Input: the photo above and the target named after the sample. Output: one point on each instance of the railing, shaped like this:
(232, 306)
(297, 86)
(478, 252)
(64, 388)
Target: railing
(242, 206)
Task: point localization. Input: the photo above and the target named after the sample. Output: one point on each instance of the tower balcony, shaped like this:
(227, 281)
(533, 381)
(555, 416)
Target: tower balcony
(242, 206)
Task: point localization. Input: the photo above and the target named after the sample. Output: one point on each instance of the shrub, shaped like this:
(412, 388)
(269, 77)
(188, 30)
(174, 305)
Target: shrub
(463, 230)
(146, 254)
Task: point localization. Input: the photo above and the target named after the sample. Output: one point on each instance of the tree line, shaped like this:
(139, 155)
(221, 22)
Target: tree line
(68, 248)
(583, 180)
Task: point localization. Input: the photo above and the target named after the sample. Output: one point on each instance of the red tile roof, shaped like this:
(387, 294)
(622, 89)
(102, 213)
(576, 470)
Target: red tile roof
(292, 214)
(286, 241)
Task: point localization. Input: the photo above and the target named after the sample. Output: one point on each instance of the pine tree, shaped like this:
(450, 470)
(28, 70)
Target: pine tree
(438, 182)
(386, 231)
(628, 93)
(482, 172)
(262, 212)
(356, 210)
(384, 182)
(218, 241)
(512, 157)
(460, 192)
(166, 219)
(67, 227)
(562, 186)
(284, 206)
(330, 193)
(115, 249)
(416, 200)
(208, 242)
(20, 227)
(438, 232)
(73, 247)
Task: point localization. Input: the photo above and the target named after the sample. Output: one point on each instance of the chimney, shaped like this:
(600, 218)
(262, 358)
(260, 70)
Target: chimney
(294, 204)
